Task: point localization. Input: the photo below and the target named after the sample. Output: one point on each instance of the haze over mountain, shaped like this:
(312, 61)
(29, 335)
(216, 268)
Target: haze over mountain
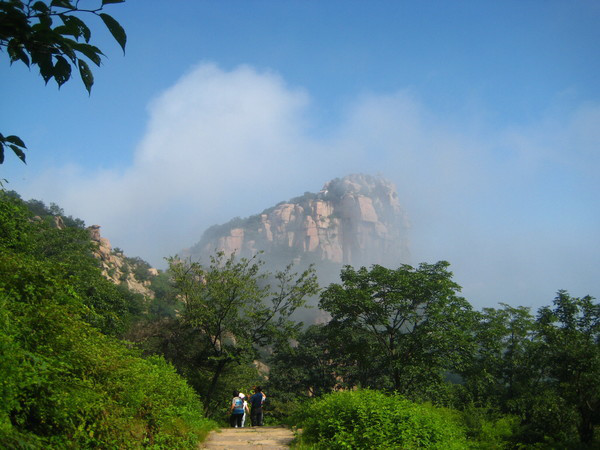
(355, 220)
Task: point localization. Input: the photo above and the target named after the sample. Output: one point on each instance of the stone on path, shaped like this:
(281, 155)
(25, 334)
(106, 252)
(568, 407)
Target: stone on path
(255, 438)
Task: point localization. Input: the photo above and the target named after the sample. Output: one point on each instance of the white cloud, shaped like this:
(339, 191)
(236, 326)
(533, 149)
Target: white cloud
(226, 143)
(213, 139)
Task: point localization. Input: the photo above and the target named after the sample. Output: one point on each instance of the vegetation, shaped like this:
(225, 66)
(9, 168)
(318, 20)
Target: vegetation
(67, 381)
(415, 326)
(367, 419)
(404, 361)
(234, 311)
(516, 379)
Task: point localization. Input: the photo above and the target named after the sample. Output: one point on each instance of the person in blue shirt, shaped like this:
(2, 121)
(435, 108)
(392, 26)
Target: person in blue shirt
(256, 401)
(236, 410)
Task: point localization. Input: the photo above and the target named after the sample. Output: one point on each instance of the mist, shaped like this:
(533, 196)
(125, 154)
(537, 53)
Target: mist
(513, 207)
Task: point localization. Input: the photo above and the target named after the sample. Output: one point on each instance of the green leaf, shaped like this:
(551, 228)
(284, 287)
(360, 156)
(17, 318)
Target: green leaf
(41, 7)
(78, 27)
(14, 140)
(16, 52)
(91, 51)
(65, 30)
(62, 70)
(62, 4)
(1, 152)
(86, 75)
(115, 29)
(66, 47)
(44, 62)
(18, 152)
(45, 22)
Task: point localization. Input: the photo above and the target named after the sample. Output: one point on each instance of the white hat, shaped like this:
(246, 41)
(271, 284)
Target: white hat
(242, 395)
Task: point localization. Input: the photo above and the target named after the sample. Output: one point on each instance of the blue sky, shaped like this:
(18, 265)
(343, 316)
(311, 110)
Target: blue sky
(486, 115)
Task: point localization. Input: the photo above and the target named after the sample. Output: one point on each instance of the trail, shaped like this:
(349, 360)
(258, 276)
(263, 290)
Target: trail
(256, 438)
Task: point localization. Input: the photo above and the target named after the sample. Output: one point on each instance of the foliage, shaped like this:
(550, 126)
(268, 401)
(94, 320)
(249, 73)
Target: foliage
(542, 370)
(165, 302)
(300, 369)
(15, 143)
(408, 323)
(570, 353)
(64, 382)
(366, 419)
(140, 268)
(515, 379)
(303, 368)
(183, 347)
(52, 36)
(39, 208)
(502, 369)
(233, 310)
(487, 429)
(29, 244)
(136, 267)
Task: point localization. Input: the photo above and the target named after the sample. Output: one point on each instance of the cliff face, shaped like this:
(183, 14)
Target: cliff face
(118, 268)
(355, 220)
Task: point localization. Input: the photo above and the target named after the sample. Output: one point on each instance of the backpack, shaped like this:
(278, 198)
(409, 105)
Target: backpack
(238, 403)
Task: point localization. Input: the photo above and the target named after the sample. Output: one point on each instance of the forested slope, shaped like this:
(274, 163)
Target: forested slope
(67, 378)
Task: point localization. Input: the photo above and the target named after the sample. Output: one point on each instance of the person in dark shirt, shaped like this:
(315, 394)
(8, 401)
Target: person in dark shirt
(256, 401)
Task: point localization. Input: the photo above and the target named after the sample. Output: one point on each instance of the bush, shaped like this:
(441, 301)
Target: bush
(490, 430)
(68, 385)
(366, 419)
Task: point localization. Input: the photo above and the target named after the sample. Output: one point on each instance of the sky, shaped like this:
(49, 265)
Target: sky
(486, 116)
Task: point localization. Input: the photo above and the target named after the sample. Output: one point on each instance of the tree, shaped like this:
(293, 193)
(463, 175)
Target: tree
(305, 367)
(571, 348)
(417, 327)
(51, 36)
(543, 369)
(503, 367)
(234, 310)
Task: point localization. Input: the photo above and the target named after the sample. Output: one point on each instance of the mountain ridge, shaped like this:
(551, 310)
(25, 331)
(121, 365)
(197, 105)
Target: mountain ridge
(355, 220)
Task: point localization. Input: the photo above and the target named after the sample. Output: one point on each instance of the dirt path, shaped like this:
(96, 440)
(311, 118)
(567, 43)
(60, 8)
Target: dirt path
(249, 438)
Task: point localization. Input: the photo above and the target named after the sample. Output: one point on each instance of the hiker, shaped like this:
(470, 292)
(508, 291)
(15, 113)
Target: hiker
(257, 400)
(236, 410)
(246, 409)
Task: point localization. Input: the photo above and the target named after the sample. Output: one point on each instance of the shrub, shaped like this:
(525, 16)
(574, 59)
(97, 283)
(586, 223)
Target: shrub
(489, 429)
(366, 419)
(68, 385)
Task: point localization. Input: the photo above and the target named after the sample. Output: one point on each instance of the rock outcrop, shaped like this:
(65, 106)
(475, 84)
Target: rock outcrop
(116, 267)
(354, 220)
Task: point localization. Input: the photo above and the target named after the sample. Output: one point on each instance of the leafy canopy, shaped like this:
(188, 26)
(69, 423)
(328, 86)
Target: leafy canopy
(414, 324)
(235, 308)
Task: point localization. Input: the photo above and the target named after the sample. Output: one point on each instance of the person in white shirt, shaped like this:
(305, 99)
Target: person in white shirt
(246, 409)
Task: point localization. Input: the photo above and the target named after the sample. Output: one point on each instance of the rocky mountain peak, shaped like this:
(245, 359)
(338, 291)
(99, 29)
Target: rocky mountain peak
(354, 220)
